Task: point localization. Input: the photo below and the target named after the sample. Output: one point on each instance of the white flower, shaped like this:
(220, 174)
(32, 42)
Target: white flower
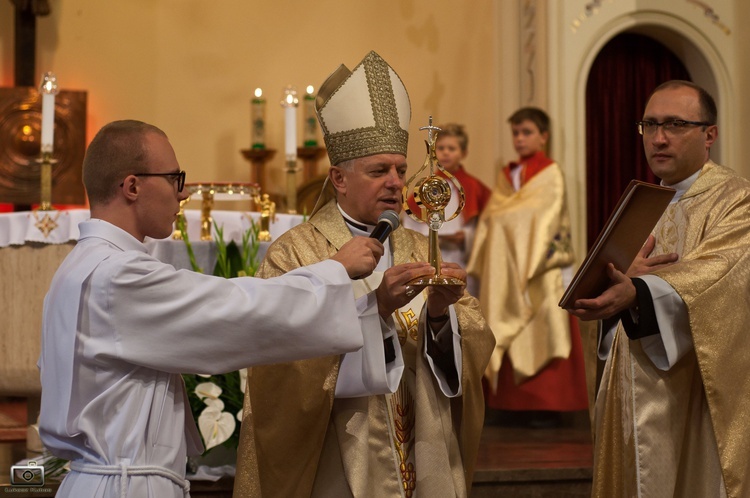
(214, 403)
(205, 376)
(215, 425)
(243, 380)
(207, 391)
(239, 415)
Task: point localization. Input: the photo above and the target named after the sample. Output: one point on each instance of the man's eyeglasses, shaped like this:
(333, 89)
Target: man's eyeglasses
(670, 127)
(178, 177)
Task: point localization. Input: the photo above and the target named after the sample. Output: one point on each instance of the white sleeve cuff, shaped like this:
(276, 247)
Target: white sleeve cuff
(365, 372)
(448, 335)
(674, 339)
(606, 338)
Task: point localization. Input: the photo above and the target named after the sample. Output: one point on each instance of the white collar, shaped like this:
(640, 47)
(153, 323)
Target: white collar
(683, 186)
(101, 229)
(356, 227)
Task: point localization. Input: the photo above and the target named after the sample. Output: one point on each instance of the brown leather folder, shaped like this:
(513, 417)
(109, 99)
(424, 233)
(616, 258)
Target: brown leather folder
(627, 229)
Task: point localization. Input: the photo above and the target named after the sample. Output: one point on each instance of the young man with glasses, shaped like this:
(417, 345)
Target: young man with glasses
(671, 414)
(120, 326)
(177, 177)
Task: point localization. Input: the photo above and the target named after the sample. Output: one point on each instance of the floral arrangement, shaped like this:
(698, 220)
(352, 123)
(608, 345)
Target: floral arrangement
(216, 400)
(216, 404)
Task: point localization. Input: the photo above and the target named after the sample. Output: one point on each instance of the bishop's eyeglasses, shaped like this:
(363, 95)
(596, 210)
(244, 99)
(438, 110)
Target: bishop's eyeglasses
(178, 177)
(670, 127)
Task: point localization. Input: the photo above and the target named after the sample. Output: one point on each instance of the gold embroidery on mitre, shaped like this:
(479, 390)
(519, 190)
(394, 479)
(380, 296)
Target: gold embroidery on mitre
(362, 116)
(402, 411)
(408, 324)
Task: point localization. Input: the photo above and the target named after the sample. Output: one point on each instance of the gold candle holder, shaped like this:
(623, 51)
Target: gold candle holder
(291, 186)
(181, 221)
(267, 216)
(45, 182)
(219, 191)
(207, 204)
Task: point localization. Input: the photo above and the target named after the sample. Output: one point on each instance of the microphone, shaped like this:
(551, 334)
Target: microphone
(387, 222)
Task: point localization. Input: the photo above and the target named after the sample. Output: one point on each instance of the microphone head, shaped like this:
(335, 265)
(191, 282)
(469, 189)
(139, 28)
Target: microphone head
(391, 217)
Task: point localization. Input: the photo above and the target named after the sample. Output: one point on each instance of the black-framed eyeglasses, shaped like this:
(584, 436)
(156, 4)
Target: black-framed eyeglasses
(670, 126)
(178, 177)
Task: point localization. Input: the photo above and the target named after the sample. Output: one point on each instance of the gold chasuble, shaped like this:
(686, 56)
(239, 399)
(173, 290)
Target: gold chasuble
(415, 442)
(679, 432)
(521, 278)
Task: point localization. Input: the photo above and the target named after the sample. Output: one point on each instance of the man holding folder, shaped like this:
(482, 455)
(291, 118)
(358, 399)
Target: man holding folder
(668, 422)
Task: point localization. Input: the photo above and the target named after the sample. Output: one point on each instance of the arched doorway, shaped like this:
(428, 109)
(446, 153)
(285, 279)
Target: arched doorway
(620, 81)
(574, 40)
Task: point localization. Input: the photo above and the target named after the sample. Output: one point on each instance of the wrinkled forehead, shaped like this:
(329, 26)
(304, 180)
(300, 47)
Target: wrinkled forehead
(381, 161)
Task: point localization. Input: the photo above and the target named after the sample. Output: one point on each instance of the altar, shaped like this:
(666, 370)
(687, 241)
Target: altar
(34, 243)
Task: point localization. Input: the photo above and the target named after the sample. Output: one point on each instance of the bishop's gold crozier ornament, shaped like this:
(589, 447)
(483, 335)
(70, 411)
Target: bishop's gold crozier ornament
(432, 194)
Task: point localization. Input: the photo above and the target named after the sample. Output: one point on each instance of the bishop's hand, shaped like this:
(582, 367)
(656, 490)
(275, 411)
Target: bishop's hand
(394, 290)
(441, 296)
(359, 256)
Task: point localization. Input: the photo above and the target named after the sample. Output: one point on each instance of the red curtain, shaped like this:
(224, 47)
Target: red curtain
(622, 77)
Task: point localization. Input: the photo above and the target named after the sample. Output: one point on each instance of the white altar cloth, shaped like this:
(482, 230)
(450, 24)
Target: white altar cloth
(31, 249)
(28, 226)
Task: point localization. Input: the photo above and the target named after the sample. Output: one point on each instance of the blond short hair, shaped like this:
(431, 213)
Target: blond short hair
(455, 130)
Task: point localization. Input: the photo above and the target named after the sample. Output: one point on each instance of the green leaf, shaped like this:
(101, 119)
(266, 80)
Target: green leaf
(181, 223)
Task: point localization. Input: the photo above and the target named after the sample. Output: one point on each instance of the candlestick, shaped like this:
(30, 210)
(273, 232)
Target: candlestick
(45, 181)
(291, 187)
(289, 104)
(310, 124)
(46, 184)
(48, 89)
(258, 118)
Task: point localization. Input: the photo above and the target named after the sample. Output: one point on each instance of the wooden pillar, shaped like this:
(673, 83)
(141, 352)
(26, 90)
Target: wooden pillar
(258, 159)
(310, 157)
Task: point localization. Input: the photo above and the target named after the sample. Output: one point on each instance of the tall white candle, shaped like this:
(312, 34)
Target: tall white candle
(48, 89)
(289, 103)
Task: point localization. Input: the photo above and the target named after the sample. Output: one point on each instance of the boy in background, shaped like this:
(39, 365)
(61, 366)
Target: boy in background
(522, 256)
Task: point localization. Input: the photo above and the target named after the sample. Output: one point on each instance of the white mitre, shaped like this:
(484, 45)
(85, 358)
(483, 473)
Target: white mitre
(364, 112)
